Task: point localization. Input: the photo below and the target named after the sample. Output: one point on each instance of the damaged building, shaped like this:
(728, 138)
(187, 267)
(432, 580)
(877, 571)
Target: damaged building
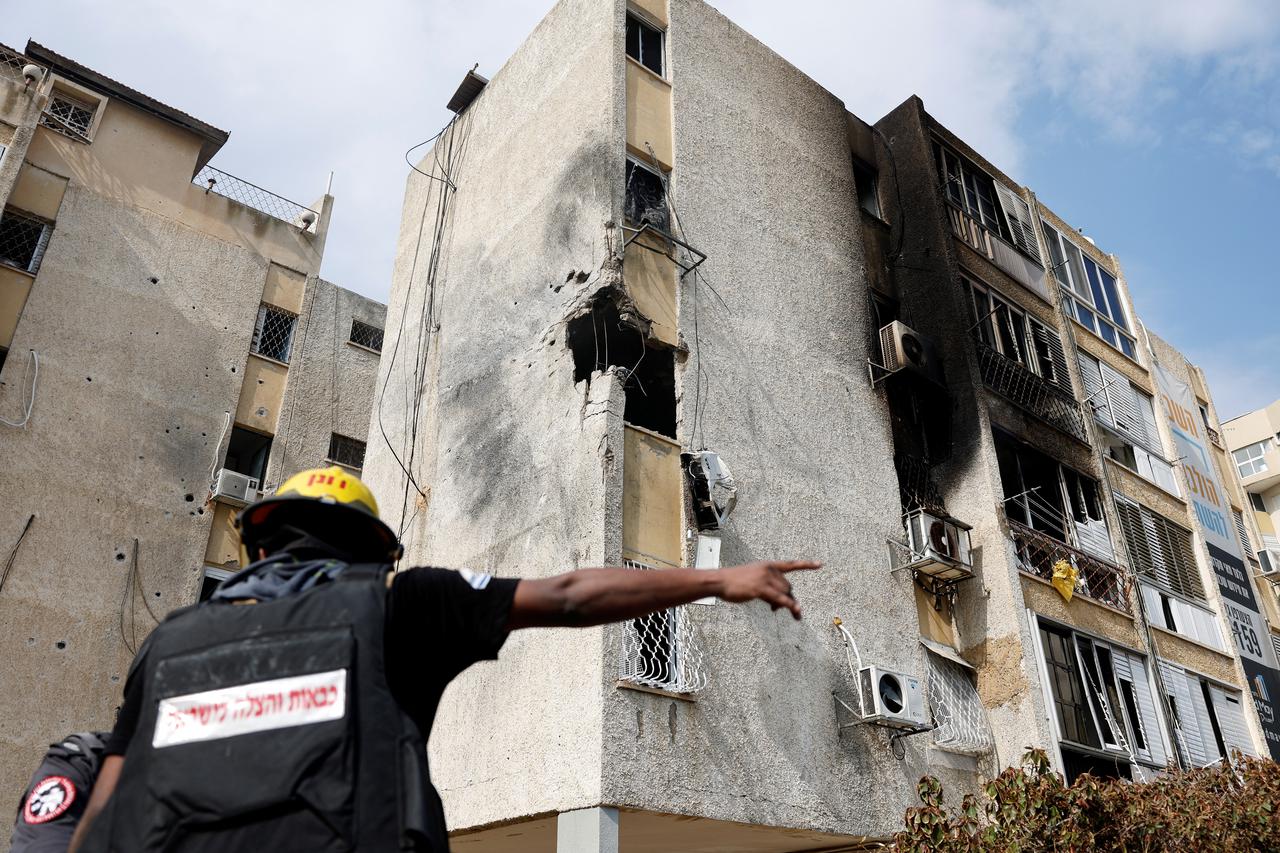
(651, 250)
(168, 352)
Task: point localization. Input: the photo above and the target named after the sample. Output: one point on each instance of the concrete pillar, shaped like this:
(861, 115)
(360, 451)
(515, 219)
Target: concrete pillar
(587, 831)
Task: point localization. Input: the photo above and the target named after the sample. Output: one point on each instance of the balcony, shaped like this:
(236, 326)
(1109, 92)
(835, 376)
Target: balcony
(1030, 392)
(1214, 436)
(995, 249)
(1096, 578)
(255, 197)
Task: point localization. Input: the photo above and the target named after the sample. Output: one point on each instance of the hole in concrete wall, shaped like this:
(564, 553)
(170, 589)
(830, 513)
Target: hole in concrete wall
(119, 556)
(31, 641)
(115, 679)
(156, 594)
(233, 370)
(88, 379)
(61, 644)
(154, 280)
(188, 497)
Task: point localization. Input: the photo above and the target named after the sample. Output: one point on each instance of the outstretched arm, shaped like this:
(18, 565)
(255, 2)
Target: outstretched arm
(103, 788)
(597, 596)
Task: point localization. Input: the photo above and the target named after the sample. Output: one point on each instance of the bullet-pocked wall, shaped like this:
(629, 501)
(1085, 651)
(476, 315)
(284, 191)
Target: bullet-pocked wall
(515, 464)
(762, 183)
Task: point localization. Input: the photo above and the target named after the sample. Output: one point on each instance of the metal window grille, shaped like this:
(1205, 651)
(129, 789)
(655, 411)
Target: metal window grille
(12, 63)
(69, 116)
(1030, 392)
(273, 334)
(254, 196)
(23, 239)
(957, 710)
(660, 650)
(1096, 578)
(346, 451)
(366, 335)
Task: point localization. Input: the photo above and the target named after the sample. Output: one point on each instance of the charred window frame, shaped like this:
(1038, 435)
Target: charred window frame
(646, 44)
(865, 180)
(645, 201)
(1045, 495)
(1015, 334)
(23, 239)
(970, 189)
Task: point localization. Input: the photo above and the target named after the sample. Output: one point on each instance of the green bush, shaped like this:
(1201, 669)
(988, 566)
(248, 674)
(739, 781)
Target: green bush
(1030, 808)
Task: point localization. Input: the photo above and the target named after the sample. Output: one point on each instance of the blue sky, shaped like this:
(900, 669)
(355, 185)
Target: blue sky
(1152, 124)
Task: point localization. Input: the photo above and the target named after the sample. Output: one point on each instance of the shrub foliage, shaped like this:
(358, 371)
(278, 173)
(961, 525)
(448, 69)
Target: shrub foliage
(1222, 808)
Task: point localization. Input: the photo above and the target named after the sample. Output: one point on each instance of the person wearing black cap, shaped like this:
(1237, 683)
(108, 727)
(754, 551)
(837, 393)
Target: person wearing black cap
(290, 712)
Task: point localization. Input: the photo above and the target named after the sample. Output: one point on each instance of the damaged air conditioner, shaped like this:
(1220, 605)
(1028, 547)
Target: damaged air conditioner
(235, 488)
(715, 492)
(940, 546)
(903, 348)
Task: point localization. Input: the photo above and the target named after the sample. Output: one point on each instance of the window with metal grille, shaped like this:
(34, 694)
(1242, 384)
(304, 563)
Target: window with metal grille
(644, 44)
(1160, 550)
(346, 451)
(1015, 335)
(365, 335)
(69, 116)
(23, 239)
(273, 333)
(660, 651)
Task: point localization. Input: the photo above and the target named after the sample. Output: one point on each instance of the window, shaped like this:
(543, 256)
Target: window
(1103, 702)
(1249, 460)
(1095, 296)
(864, 179)
(1012, 333)
(1246, 543)
(1044, 495)
(646, 197)
(273, 334)
(247, 453)
(346, 451)
(1209, 722)
(23, 239)
(1256, 501)
(994, 206)
(644, 44)
(212, 578)
(69, 116)
(959, 718)
(365, 335)
(659, 650)
(1160, 550)
(1127, 416)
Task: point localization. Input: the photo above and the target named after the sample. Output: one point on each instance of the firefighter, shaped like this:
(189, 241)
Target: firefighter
(290, 712)
(55, 800)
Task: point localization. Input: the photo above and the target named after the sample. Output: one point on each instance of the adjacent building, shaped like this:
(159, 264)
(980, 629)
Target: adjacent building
(651, 250)
(169, 351)
(1251, 439)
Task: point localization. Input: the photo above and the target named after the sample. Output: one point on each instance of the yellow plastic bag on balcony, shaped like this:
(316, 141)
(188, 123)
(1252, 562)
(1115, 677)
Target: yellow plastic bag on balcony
(1064, 579)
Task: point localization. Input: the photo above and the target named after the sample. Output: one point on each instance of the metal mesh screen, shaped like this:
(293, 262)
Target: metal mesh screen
(254, 196)
(957, 710)
(273, 334)
(12, 63)
(661, 651)
(1031, 392)
(346, 451)
(366, 335)
(68, 116)
(22, 240)
(1039, 554)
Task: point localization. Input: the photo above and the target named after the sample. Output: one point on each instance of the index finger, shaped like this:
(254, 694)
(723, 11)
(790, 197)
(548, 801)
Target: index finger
(794, 565)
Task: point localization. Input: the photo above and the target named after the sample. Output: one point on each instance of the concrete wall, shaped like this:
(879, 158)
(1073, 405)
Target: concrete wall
(331, 382)
(513, 458)
(762, 183)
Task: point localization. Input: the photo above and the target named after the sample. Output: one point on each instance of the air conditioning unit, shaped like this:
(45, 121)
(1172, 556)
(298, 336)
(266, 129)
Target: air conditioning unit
(715, 492)
(905, 349)
(891, 698)
(1270, 561)
(940, 546)
(235, 488)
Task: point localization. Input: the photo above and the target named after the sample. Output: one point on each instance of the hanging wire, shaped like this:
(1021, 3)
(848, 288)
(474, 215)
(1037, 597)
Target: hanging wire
(28, 404)
(132, 590)
(13, 552)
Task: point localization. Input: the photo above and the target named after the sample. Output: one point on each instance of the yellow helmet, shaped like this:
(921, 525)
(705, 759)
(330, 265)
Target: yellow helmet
(331, 502)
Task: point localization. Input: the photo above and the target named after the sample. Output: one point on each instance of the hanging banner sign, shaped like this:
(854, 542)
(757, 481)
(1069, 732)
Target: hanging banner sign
(1213, 511)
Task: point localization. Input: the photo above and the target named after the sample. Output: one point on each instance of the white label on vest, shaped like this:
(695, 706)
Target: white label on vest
(264, 705)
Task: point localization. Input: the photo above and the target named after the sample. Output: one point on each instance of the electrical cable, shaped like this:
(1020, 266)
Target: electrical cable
(13, 552)
(29, 405)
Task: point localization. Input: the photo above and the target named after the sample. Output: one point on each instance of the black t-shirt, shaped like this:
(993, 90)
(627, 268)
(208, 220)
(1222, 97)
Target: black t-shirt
(439, 622)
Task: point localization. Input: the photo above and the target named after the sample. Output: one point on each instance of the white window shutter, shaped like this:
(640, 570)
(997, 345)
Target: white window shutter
(1135, 671)
(1230, 712)
(1018, 214)
(1091, 373)
(1187, 732)
(1125, 410)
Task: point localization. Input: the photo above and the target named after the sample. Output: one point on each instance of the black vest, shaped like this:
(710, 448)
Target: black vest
(271, 727)
(55, 799)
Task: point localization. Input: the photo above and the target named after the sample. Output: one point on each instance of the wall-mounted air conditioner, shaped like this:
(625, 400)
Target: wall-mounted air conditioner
(235, 488)
(905, 349)
(715, 492)
(891, 698)
(940, 546)
(1270, 561)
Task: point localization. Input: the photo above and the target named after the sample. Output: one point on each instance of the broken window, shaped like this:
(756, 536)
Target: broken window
(970, 189)
(864, 180)
(23, 239)
(602, 338)
(1045, 495)
(646, 197)
(346, 451)
(644, 43)
(1014, 334)
(366, 335)
(213, 577)
(247, 453)
(273, 333)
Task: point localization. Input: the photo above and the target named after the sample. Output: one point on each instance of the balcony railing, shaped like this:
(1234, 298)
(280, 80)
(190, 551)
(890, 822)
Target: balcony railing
(1030, 392)
(1214, 436)
(254, 196)
(1024, 270)
(1095, 578)
(916, 487)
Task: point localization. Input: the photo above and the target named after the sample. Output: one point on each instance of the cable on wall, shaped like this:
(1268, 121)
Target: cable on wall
(32, 369)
